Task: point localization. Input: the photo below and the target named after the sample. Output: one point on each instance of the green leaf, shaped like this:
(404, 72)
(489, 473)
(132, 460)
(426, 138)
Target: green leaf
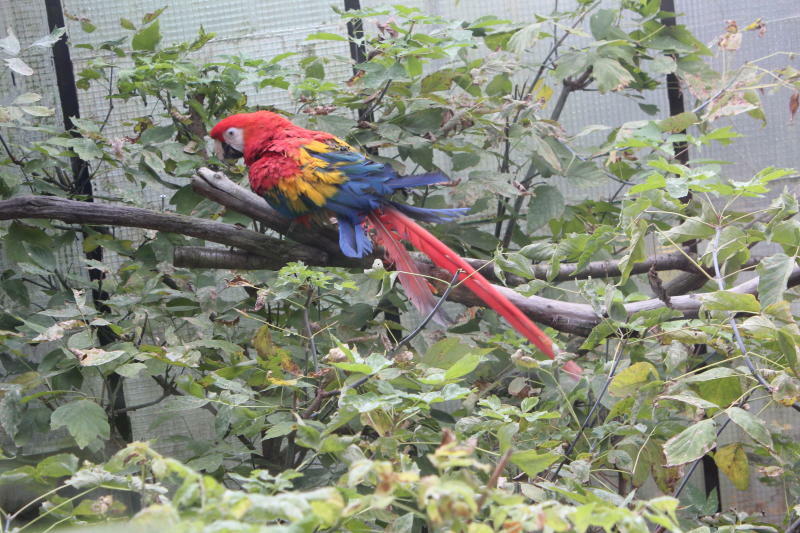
(127, 24)
(730, 301)
(691, 443)
(59, 465)
(721, 391)
(637, 251)
(446, 353)
(788, 346)
(610, 75)
(499, 86)
(325, 36)
(630, 380)
(157, 134)
(463, 366)
(751, 425)
(359, 368)
(691, 228)
(732, 461)
(679, 122)
(531, 462)
(773, 272)
(97, 356)
(546, 204)
(280, 429)
(85, 420)
(147, 38)
(464, 160)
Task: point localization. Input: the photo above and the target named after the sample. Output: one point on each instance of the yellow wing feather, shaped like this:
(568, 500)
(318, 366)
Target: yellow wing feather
(316, 182)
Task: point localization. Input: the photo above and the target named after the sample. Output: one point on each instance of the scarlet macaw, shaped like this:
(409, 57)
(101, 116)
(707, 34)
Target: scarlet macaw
(304, 172)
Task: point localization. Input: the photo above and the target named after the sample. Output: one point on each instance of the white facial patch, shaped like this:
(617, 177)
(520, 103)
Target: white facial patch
(234, 137)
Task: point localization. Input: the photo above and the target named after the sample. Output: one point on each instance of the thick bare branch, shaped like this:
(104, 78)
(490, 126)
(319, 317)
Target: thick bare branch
(262, 251)
(218, 187)
(569, 317)
(52, 207)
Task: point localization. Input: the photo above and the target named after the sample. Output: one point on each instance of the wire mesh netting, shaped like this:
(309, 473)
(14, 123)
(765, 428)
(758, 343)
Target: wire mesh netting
(267, 28)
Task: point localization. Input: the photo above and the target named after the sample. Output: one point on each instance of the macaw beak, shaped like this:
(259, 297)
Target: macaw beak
(225, 151)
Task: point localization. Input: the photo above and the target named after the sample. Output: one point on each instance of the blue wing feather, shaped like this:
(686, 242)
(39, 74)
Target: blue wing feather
(368, 187)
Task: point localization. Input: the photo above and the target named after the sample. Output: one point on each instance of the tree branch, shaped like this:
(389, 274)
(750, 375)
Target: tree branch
(564, 316)
(262, 251)
(72, 211)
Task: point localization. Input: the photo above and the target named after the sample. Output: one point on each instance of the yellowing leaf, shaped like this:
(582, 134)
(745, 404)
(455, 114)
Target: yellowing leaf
(732, 461)
(691, 443)
(96, 356)
(627, 382)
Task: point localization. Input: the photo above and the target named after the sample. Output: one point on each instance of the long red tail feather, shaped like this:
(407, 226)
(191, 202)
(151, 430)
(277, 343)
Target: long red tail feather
(392, 220)
(414, 282)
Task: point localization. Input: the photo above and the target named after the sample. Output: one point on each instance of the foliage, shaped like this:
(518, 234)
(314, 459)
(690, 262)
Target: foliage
(317, 422)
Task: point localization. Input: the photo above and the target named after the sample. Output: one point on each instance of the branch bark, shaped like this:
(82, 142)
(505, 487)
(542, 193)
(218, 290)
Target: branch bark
(569, 317)
(319, 247)
(71, 211)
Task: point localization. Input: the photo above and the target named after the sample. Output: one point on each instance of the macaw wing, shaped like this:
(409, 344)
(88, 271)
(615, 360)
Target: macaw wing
(324, 171)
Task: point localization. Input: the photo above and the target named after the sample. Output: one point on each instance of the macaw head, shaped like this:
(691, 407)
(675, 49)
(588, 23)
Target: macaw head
(244, 133)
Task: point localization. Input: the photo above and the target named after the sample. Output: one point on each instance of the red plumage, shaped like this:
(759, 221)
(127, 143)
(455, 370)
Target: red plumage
(301, 171)
(443, 257)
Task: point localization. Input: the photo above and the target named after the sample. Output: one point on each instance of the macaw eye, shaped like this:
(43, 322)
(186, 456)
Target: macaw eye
(229, 133)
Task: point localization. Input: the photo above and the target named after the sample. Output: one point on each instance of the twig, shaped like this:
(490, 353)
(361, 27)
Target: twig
(408, 338)
(732, 320)
(492, 483)
(160, 399)
(588, 419)
(794, 527)
(312, 345)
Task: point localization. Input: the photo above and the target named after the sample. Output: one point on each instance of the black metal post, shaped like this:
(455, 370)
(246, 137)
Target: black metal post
(82, 183)
(676, 107)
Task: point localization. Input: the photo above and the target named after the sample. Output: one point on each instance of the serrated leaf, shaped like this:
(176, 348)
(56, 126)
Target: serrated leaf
(630, 380)
(10, 43)
(610, 75)
(773, 272)
(463, 366)
(359, 368)
(531, 462)
(59, 465)
(546, 204)
(147, 38)
(37, 110)
(85, 421)
(691, 443)
(691, 228)
(49, 40)
(325, 36)
(279, 430)
(96, 356)
(637, 251)
(732, 461)
(27, 99)
(690, 398)
(679, 122)
(751, 425)
(730, 301)
(19, 66)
